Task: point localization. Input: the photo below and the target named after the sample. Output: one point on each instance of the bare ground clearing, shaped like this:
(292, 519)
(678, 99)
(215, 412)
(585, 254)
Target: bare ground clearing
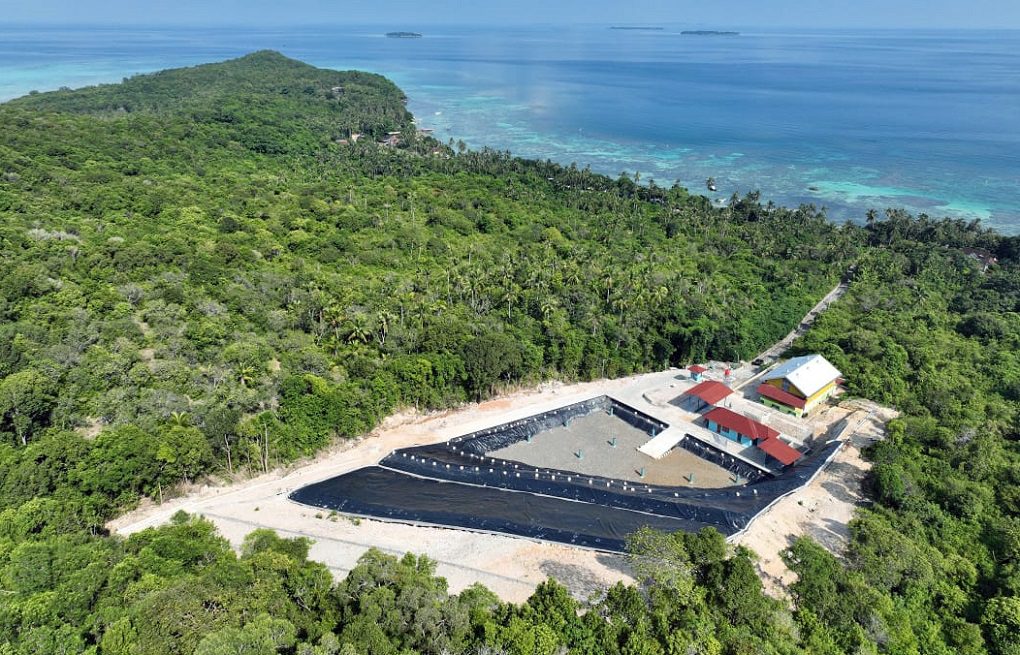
(512, 567)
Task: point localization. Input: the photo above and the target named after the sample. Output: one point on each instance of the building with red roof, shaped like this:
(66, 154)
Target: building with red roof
(780, 451)
(749, 432)
(697, 371)
(704, 394)
(799, 384)
(737, 427)
(785, 398)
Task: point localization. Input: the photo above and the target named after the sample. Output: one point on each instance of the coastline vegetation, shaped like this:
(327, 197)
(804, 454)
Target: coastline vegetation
(205, 273)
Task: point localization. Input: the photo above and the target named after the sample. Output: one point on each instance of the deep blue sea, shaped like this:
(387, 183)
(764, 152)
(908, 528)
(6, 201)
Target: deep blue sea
(929, 121)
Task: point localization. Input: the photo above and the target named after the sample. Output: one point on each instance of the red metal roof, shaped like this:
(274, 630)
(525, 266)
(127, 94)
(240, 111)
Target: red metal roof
(710, 391)
(781, 396)
(697, 368)
(779, 450)
(740, 424)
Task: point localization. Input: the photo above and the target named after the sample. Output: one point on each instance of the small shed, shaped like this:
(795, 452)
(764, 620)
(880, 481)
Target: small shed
(780, 451)
(697, 372)
(702, 395)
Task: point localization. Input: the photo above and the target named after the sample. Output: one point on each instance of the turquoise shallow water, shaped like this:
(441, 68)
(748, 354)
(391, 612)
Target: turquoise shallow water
(929, 121)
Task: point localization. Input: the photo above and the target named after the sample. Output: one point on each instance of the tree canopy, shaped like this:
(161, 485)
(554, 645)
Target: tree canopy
(203, 272)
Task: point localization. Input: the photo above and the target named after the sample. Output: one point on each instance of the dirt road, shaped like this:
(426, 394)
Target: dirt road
(823, 508)
(775, 351)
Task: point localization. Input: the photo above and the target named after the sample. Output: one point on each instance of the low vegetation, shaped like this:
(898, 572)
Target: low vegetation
(198, 279)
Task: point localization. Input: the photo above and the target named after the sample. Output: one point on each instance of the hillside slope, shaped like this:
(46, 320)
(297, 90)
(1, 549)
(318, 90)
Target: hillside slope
(196, 278)
(264, 87)
(210, 263)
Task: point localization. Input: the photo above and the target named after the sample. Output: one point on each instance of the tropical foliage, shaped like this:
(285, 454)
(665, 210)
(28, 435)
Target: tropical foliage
(203, 272)
(171, 284)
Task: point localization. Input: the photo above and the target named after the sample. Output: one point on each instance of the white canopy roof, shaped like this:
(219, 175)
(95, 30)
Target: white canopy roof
(810, 373)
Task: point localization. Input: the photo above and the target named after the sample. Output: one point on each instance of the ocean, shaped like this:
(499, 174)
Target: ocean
(850, 120)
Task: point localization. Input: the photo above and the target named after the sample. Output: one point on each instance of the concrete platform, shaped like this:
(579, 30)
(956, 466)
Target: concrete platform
(602, 445)
(656, 403)
(657, 447)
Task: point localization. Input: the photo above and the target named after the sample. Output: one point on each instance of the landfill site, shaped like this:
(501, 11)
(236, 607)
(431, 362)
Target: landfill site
(700, 450)
(816, 496)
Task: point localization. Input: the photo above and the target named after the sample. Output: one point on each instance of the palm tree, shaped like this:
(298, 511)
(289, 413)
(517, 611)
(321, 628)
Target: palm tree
(383, 321)
(510, 296)
(621, 303)
(358, 329)
(180, 419)
(406, 300)
(547, 307)
(334, 315)
(246, 374)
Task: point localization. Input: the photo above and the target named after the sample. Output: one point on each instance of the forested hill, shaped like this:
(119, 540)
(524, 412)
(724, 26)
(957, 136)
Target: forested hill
(218, 266)
(202, 273)
(264, 87)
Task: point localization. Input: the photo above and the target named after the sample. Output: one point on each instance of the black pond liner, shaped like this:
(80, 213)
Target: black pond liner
(720, 458)
(381, 493)
(456, 484)
(507, 434)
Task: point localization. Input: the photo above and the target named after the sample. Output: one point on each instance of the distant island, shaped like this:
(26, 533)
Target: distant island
(637, 27)
(708, 33)
(170, 321)
(403, 35)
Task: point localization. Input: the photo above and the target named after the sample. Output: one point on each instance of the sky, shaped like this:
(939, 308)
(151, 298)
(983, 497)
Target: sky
(407, 14)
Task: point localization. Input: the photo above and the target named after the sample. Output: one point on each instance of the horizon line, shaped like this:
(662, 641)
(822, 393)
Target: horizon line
(536, 24)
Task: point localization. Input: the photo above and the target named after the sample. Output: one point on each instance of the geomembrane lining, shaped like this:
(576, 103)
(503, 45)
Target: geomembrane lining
(718, 457)
(507, 434)
(385, 494)
(456, 484)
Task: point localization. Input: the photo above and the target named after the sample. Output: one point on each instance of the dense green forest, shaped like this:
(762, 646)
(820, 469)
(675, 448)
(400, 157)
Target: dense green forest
(203, 274)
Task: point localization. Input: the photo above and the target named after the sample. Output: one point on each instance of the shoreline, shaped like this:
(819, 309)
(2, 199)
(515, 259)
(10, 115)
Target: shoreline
(847, 166)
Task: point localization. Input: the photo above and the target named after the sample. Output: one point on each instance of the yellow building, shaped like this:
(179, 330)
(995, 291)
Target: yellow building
(798, 385)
